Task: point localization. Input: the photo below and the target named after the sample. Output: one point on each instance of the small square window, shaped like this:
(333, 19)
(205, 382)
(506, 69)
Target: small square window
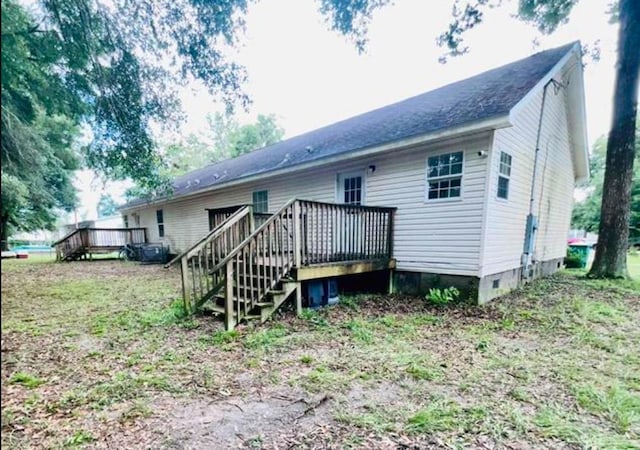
(261, 201)
(496, 284)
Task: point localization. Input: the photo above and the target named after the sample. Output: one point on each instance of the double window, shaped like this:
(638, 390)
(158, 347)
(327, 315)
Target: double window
(125, 221)
(444, 176)
(504, 175)
(160, 220)
(261, 201)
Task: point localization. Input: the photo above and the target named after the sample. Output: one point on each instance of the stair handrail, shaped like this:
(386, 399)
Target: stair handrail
(213, 234)
(67, 236)
(255, 251)
(241, 246)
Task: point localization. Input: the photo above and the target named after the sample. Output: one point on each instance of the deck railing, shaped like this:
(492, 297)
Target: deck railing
(87, 239)
(333, 233)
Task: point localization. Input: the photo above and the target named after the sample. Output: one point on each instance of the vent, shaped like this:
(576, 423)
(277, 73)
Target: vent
(496, 284)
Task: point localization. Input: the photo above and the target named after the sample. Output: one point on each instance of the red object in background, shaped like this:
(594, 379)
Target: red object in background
(22, 255)
(575, 241)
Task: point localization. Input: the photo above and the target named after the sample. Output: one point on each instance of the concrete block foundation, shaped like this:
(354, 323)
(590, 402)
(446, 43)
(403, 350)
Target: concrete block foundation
(477, 290)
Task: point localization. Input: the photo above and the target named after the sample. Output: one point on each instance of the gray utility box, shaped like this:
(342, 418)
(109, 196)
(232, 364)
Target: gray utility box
(153, 254)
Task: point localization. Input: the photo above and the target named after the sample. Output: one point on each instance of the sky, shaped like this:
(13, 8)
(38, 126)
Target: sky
(309, 76)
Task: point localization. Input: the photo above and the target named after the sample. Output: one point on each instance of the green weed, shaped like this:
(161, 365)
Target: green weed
(26, 380)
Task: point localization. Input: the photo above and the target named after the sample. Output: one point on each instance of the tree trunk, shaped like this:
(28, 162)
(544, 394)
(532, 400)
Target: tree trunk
(613, 239)
(4, 233)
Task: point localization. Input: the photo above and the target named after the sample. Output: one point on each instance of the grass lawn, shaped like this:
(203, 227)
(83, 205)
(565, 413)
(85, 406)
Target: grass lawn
(98, 354)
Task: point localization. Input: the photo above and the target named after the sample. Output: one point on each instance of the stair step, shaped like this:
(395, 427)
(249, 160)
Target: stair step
(264, 304)
(221, 298)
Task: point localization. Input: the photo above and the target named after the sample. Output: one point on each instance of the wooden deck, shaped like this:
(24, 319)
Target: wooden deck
(247, 265)
(83, 243)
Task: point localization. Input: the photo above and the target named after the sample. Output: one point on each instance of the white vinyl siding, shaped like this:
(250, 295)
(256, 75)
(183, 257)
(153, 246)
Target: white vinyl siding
(553, 197)
(440, 237)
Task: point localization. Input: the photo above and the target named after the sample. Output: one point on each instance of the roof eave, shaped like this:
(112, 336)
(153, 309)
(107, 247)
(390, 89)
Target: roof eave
(492, 123)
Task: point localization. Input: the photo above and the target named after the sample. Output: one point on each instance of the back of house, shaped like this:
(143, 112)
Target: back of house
(480, 172)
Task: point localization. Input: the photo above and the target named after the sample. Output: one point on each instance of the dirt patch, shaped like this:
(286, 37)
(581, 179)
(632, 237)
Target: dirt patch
(241, 422)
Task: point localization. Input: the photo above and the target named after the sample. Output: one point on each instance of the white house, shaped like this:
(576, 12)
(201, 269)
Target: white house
(481, 172)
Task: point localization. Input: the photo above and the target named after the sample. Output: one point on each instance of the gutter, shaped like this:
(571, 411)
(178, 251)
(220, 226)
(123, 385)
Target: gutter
(460, 131)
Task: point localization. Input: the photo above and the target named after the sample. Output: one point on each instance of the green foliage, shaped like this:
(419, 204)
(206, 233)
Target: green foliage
(223, 337)
(224, 139)
(442, 297)
(38, 128)
(350, 18)
(440, 415)
(586, 214)
(26, 380)
(107, 206)
(80, 437)
(545, 15)
(117, 67)
(573, 260)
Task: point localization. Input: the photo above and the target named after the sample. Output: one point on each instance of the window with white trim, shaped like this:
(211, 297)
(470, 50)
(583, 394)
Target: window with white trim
(160, 220)
(352, 190)
(261, 201)
(444, 176)
(504, 176)
(125, 220)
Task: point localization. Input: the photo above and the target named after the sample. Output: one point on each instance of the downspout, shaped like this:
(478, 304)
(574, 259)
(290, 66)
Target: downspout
(532, 220)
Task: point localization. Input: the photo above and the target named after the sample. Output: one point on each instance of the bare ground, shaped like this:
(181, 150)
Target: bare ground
(97, 354)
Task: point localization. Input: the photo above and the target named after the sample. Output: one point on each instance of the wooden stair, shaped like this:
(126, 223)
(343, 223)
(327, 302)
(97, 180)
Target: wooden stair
(238, 272)
(242, 272)
(261, 310)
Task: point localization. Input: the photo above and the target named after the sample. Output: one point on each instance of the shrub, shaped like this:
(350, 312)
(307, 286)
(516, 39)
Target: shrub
(441, 297)
(573, 260)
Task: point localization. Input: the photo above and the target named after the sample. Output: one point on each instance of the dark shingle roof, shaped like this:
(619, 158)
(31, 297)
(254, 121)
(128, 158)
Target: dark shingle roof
(484, 96)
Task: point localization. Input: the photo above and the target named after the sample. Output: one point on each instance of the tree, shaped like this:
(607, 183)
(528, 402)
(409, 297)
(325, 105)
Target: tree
(226, 138)
(114, 68)
(586, 214)
(253, 136)
(120, 63)
(615, 209)
(38, 132)
(107, 206)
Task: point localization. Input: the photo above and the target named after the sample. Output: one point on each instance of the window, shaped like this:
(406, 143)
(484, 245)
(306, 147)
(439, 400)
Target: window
(505, 175)
(160, 220)
(444, 176)
(125, 221)
(261, 201)
(352, 190)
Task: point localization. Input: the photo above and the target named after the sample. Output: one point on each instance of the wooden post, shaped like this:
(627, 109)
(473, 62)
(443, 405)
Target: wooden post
(183, 272)
(229, 321)
(299, 298)
(297, 235)
(390, 234)
(252, 221)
